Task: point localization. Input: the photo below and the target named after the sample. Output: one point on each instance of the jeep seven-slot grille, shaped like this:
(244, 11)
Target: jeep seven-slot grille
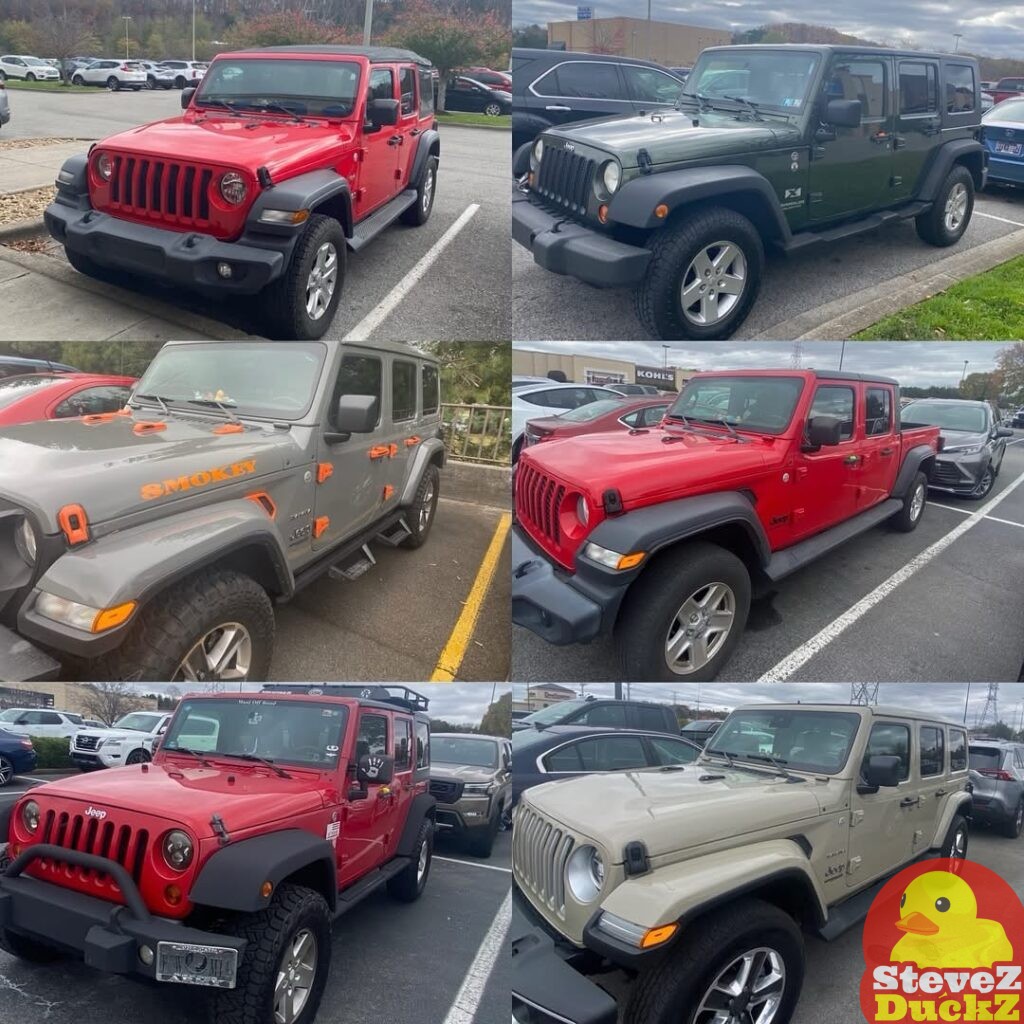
(540, 851)
(445, 792)
(565, 179)
(161, 189)
(104, 838)
(538, 500)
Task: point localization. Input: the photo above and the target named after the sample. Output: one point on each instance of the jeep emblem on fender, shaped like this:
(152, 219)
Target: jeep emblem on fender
(93, 812)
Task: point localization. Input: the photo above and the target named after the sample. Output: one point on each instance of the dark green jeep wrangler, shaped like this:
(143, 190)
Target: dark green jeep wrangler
(780, 145)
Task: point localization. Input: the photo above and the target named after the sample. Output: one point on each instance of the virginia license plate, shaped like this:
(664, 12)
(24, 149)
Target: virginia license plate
(1010, 148)
(185, 964)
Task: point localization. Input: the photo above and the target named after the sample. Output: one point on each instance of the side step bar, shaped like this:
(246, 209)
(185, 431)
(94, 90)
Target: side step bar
(854, 227)
(367, 230)
(369, 884)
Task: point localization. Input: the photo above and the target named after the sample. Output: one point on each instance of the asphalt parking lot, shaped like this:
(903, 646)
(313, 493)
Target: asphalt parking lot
(445, 280)
(546, 306)
(887, 606)
(441, 959)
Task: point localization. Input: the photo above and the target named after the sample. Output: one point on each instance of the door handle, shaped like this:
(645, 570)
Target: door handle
(887, 451)
(898, 142)
(881, 138)
(851, 460)
(383, 451)
(940, 792)
(559, 107)
(910, 801)
(411, 442)
(395, 140)
(415, 132)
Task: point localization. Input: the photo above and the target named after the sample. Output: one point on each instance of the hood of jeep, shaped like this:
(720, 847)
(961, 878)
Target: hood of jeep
(112, 471)
(461, 772)
(671, 136)
(672, 811)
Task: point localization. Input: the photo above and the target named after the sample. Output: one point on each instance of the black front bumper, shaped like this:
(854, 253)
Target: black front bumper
(22, 662)
(958, 474)
(565, 247)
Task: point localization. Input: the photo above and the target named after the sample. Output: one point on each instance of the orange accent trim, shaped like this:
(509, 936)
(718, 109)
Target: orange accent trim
(265, 501)
(323, 471)
(320, 526)
(383, 451)
(149, 427)
(229, 428)
(74, 524)
(388, 491)
(104, 417)
(411, 442)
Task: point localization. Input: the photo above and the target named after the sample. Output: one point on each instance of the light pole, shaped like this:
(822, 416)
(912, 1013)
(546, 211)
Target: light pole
(956, 46)
(126, 18)
(963, 376)
(664, 361)
(368, 23)
(650, 36)
(193, 29)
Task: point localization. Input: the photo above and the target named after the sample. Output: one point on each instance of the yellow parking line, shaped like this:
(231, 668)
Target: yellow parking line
(450, 661)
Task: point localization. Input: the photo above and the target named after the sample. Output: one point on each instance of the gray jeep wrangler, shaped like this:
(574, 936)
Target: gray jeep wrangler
(152, 543)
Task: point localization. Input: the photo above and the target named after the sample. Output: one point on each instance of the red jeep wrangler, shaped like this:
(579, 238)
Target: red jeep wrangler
(661, 535)
(283, 159)
(261, 819)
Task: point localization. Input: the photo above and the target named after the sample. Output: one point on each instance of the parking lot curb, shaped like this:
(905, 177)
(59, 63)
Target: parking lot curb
(478, 484)
(842, 318)
(486, 127)
(21, 228)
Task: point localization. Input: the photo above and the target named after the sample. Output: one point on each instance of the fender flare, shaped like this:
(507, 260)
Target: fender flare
(232, 878)
(428, 145)
(942, 162)
(430, 450)
(633, 205)
(521, 160)
(303, 192)
(958, 803)
(423, 806)
(77, 167)
(912, 463)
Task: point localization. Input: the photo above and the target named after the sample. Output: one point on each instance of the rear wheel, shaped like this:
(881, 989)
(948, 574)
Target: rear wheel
(913, 505)
(420, 515)
(946, 220)
(1014, 826)
(419, 212)
(77, 80)
(113, 84)
(150, 82)
(408, 885)
(179, 82)
(955, 843)
(6, 771)
(493, 109)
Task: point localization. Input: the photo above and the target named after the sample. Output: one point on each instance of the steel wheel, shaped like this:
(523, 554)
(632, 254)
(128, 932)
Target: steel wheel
(322, 280)
(917, 503)
(700, 628)
(713, 284)
(984, 485)
(295, 977)
(748, 991)
(6, 771)
(428, 190)
(424, 861)
(956, 207)
(225, 653)
(426, 507)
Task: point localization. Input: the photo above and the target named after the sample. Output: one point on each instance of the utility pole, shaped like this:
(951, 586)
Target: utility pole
(193, 29)
(126, 18)
(957, 36)
(864, 693)
(842, 355)
(368, 23)
(650, 33)
(991, 710)
(967, 701)
(664, 361)
(963, 376)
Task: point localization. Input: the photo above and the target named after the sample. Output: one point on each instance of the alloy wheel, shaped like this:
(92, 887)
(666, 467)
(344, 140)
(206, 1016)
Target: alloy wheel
(492, 110)
(322, 280)
(421, 866)
(748, 991)
(956, 207)
(6, 771)
(426, 507)
(295, 977)
(917, 503)
(699, 629)
(713, 284)
(225, 653)
(428, 190)
(984, 485)
(959, 848)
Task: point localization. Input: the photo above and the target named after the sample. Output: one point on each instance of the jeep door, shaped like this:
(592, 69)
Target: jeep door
(933, 785)
(851, 168)
(880, 448)
(406, 423)
(377, 173)
(918, 122)
(403, 787)
(409, 127)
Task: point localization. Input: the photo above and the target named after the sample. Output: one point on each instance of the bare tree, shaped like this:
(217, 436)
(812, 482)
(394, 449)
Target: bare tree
(65, 33)
(110, 701)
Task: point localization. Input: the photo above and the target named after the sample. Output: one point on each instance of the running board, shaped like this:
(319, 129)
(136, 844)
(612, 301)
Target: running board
(367, 230)
(790, 559)
(850, 912)
(805, 239)
(358, 564)
(369, 884)
(398, 533)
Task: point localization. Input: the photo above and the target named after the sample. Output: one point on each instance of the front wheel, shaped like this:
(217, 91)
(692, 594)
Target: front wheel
(6, 772)
(984, 485)
(955, 843)
(30, 77)
(703, 277)
(944, 223)
(150, 82)
(493, 110)
(138, 756)
(420, 515)
(913, 505)
(480, 841)
(77, 80)
(408, 885)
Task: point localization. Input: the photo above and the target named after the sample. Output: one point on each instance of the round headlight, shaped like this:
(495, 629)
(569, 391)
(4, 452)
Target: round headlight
(233, 188)
(104, 166)
(582, 510)
(30, 816)
(178, 850)
(611, 175)
(25, 542)
(538, 150)
(584, 874)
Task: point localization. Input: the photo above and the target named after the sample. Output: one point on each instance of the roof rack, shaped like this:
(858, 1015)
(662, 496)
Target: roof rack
(400, 696)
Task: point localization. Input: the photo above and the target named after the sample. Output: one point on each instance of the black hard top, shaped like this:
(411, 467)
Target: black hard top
(378, 54)
(867, 377)
(830, 48)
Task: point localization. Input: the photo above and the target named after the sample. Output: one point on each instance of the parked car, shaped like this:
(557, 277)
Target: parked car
(549, 399)
(973, 444)
(681, 73)
(41, 722)
(51, 396)
(568, 751)
(658, 538)
(987, 101)
(1002, 131)
(467, 94)
(29, 69)
(128, 741)
(186, 72)
(701, 730)
(18, 366)
(470, 778)
(595, 417)
(637, 389)
(997, 777)
(158, 76)
(17, 755)
(557, 87)
(603, 711)
(1018, 417)
(114, 74)
(5, 106)
(1006, 88)
(486, 76)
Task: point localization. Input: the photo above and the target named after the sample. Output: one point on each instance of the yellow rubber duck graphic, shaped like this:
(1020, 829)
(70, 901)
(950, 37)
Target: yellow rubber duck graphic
(939, 913)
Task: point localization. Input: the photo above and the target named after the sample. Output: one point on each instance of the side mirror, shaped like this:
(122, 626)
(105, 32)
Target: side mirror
(843, 113)
(824, 431)
(1004, 432)
(186, 96)
(882, 770)
(382, 112)
(375, 770)
(357, 414)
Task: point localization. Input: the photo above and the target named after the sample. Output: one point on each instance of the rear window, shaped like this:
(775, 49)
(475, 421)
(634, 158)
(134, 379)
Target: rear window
(14, 388)
(983, 758)
(431, 389)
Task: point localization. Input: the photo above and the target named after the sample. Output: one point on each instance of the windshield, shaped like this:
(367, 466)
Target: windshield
(1008, 110)
(759, 404)
(321, 88)
(768, 78)
(283, 731)
(250, 379)
(14, 388)
(554, 713)
(586, 413)
(138, 721)
(464, 750)
(10, 714)
(947, 417)
(37, 62)
(808, 741)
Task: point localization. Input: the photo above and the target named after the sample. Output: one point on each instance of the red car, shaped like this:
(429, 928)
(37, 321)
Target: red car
(604, 414)
(55, 396)
(492, 79)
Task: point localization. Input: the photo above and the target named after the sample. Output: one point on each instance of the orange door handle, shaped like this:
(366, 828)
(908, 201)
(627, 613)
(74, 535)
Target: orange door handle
(411, 442)
(384, 451)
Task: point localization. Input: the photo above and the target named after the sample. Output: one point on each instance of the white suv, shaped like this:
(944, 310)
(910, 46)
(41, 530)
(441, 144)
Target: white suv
(114, 74)
(186, 72)
(29, 68)
(40, 722)
(130, 741)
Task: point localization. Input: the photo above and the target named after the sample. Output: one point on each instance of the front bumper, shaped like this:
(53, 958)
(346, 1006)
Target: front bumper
(958, 474)
(566, 247)
(1005, 169)
(21, 661)
(469, 814)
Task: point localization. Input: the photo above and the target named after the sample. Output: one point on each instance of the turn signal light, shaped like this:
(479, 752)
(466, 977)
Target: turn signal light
(602, 213)
(631, 560)
(658, 936)
(108, 618)
(661, 211)
(173, 895)
(266, 889)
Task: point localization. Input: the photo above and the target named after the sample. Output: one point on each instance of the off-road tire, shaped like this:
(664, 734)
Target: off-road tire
(267, 932)
(138, 756)
(671, 990)
(285, 299)
(430, 484)
(657, 595)
(958, 823)
(1014, 825)
(405, 886)
(175, 621)
(931, 225)
(28, 949)
(657, 298)
(904, 521)
(480, 841)
(416, 215)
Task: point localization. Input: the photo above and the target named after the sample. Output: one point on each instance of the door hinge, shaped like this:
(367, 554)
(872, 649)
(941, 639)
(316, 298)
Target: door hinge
(853, 865)
(856, 818)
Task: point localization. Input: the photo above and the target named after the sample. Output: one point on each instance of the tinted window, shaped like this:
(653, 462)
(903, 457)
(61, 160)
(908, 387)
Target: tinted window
(567, 759)
(373, 736)
(986, 758)
(431, 389)
(948, 415)
(919, 88)
(837, 402)
(426, 94)
(561, 398)
(671, 751)
(959, 88)
(891, 741)
(407, 90)
(382, 84)
(599, 754)
(584, 79)
(648, 85)
(862, 80)
(403, 390)
(403, 744)
(957, 750)
(933, 754)
(603, 714)
(92, 401)
(878, 411)
(359, 375)
(422, 744)
(651, 718)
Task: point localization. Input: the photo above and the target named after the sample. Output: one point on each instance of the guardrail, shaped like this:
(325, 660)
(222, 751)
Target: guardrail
(478, 433)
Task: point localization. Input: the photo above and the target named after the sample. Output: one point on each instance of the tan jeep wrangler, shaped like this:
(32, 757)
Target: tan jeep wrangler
(698, 880)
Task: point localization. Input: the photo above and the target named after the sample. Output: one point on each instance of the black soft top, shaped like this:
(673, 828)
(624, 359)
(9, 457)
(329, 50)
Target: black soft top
(377, 54)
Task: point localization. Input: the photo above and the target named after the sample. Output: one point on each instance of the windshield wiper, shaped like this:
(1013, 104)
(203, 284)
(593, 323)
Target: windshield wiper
(777, 763)
(212, 101)
(724, 422)
(213, 403)
(755, 107)
(193, 753)
(677, 416)
(724, 753)
(159, 399)
(261, 760)
(704, 102)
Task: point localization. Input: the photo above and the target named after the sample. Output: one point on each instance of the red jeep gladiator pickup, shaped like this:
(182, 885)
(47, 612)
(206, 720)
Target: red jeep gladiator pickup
(660, 535)
(283, 159)
(262, 818)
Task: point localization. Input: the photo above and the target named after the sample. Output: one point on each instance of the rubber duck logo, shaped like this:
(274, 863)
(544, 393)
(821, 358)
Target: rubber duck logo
(944, 941)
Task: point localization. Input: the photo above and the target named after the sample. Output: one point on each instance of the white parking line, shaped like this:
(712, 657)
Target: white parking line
(1004, 220)
(383, 309)
(471, 991)
(817, 643)
(967, 512)
(474, 864)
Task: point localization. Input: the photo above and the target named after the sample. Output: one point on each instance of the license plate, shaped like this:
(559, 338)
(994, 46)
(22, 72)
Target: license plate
(185, 964)
(1011, 148)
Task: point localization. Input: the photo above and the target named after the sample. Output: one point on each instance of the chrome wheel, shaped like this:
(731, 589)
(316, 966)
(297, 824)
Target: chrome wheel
(426, 507)
(917, 503)
(295, 977)
(713, 283)
(958, 849)
(956, 207)
(748, 991)
(225, 653)
(322, 280)
(700, 628)
(428, 190)
(6, 771)
(424, 861)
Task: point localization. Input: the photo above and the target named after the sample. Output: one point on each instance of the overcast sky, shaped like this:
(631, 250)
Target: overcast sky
(994, 30)
(912, 363)
(945, 699)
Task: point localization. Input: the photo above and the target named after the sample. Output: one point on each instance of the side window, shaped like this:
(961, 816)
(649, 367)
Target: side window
(959, 88)
(1018, 758)
(632, 419)
(583, 79)
(373, 736)
(932, 753)
(403, 744)
(566, 759)
(654, 415)
(919, 88)
(422, 745)
(892, 741)
(382, 84)
(359, 375)
(430, 387)
(668, 750)
(426, 93)
(564, 398)
(877, 411)
(603, 714)
(648, 85)
(403, 390)
(407, 90)
(612, 753)
(957, 750)
(862, 80)
(831, 400)
(650, 718)
(92, 400)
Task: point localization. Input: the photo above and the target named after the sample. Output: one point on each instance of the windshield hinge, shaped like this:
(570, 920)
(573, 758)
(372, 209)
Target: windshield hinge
(217, 824)
(643, 159)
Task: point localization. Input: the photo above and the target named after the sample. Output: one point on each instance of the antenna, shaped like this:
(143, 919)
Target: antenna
(864, 693)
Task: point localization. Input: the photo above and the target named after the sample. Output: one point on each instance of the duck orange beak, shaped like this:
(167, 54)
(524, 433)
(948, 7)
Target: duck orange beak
(918, 924)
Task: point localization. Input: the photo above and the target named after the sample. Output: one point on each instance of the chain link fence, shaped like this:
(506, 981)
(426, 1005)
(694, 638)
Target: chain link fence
(478, 433)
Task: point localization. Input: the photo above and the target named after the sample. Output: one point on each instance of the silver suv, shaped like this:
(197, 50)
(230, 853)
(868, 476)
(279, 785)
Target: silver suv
(997, 777)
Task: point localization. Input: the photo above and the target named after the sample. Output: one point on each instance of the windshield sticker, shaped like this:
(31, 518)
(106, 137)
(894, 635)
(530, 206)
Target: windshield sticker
(255, 718)
(219, 474)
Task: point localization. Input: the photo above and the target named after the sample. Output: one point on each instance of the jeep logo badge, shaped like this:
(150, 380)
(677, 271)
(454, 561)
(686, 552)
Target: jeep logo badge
(570, 147)
(92, 812)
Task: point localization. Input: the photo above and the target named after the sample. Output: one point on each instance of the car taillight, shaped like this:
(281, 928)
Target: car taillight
(996, 773)
(124, 67)
(27, 743)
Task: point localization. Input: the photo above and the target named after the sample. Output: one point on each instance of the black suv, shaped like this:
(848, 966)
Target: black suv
(555, 87)
(604, 711)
